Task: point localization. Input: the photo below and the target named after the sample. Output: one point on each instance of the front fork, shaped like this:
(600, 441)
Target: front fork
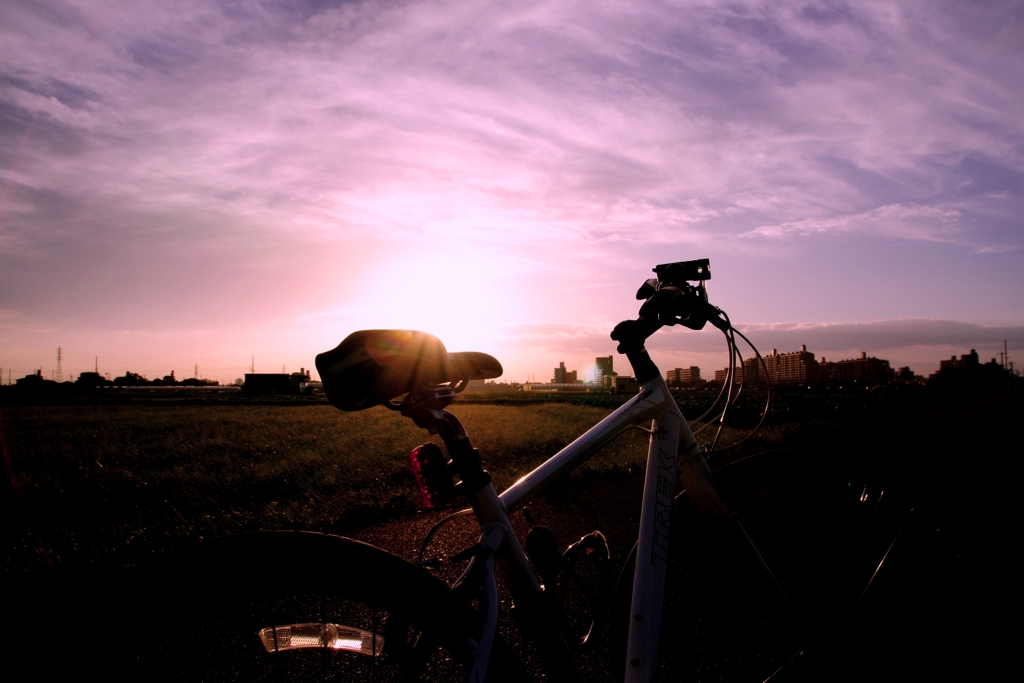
(533, 613)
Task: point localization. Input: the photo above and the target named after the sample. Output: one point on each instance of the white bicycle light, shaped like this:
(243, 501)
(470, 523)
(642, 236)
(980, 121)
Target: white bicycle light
(321, 636)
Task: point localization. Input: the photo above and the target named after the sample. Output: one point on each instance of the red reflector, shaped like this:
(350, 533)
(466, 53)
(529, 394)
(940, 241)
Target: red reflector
(433, 481)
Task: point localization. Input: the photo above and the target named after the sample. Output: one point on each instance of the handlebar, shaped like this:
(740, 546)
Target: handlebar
(682, 305)
(668, 300)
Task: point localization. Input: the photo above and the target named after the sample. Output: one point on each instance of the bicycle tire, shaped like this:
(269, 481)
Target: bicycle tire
(199, 612)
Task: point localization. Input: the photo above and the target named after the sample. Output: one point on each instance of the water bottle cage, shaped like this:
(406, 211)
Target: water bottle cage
(558, 570)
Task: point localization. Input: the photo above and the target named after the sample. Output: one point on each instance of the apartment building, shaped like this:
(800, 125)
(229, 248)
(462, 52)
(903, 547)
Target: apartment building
(683, 376)
(863, 370)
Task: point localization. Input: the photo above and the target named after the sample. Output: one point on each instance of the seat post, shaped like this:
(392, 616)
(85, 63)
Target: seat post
(465, 458)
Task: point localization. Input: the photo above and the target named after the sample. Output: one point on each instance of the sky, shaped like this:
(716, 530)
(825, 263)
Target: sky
(202, 183)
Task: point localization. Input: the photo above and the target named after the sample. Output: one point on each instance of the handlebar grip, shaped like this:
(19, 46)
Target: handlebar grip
(631, 334)
(669, 300)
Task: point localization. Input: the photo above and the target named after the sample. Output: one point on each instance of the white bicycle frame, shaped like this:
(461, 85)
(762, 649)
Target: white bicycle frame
(673, 452)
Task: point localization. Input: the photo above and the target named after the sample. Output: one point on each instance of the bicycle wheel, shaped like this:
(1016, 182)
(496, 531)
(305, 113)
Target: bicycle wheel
(284, 606)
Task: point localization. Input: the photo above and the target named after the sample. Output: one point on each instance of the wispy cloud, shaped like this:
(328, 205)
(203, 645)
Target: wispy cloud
(929, 223)
(238, 160)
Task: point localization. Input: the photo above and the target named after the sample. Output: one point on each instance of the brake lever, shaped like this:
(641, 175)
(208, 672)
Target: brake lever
(686, 306)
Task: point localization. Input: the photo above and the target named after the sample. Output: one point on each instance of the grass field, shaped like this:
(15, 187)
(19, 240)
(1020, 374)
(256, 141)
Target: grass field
(91, 480)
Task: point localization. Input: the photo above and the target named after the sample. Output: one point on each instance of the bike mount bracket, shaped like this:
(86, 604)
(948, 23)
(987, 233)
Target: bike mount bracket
(466, 461)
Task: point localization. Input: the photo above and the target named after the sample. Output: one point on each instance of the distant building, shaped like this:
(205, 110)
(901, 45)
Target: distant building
(167, 380)
(491, 385)
(750, 373)
(905, 374)
(313, 387)
(683, 376)
(797, 367)
(555, 387)
(968, 372)
(34, 381)
(967, 360)
(864, 371)
(559, 377)
(603, 367)
(619, 384)
(276, 383)
(563, 376)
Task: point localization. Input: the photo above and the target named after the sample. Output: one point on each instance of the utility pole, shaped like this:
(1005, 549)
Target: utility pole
(252, 366)
(195, 372)
(59, 375)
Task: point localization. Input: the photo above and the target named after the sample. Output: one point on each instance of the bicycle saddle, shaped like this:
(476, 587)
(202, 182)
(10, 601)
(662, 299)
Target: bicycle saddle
(371, 367)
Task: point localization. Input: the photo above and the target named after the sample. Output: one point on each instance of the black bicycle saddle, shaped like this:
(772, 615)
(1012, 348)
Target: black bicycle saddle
(371, 367)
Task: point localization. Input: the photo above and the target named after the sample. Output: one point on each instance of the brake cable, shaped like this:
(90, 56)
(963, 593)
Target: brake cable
(731, 378)
(434, 529)
(715, 403)
(768, 384)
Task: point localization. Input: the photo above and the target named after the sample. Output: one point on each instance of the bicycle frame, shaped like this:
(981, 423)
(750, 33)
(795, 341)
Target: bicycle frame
(673, 450)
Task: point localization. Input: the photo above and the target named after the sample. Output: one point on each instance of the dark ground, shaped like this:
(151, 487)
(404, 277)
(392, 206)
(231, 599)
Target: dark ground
(923, 480)
(930, 490)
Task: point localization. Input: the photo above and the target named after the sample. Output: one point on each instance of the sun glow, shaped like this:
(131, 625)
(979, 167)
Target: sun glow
(463, 296)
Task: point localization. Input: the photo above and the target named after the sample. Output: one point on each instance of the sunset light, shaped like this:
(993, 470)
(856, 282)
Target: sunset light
(325, 323)
(202, 185)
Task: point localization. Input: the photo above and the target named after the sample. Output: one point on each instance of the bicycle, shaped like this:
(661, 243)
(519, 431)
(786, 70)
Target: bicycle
(382, 616)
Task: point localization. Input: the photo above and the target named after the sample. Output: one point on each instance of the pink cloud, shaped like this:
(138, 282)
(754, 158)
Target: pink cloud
(301, 167)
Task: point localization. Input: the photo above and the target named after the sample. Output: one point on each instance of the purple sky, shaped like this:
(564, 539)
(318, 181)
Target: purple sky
(197, 183)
